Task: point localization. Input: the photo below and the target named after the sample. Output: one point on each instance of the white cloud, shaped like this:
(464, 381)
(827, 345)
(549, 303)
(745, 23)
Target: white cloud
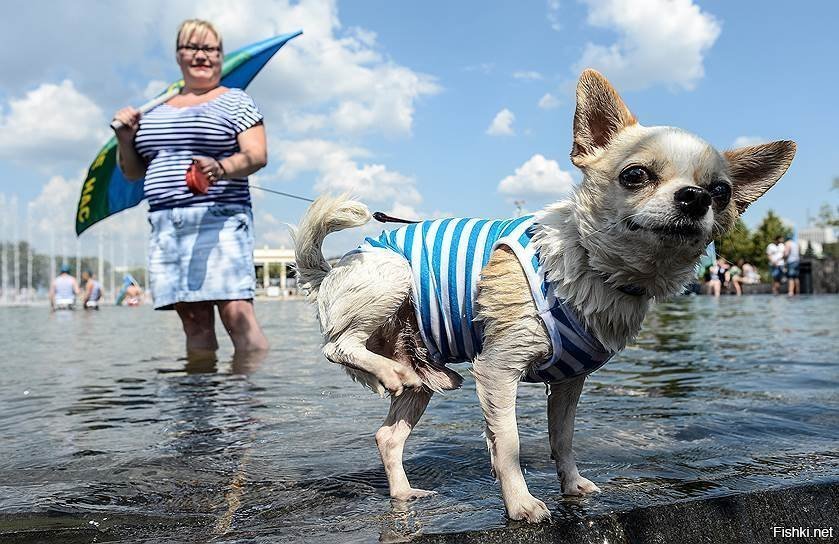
(50, 225)
(333, 82)
(528, 75)
(537, 176)
(659, 42)
(311, 155)
(343, 78)
(52, 122)
(271, 231)
(553, 14)
(154, 88)
(302, 123)
(502, 124)
(329, 70)
(404, 211)
(55, 205)
(338, 171)
(744, 141)
(548, 102)
(485, 68)
(93, 52)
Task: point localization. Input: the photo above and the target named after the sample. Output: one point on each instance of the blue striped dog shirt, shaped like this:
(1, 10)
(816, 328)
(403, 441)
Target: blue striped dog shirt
(446, 257)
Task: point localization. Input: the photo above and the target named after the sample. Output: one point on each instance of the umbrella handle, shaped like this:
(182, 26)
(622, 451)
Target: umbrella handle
(150, 105)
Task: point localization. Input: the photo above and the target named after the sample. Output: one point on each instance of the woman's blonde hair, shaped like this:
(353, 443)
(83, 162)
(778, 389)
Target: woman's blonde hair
(192, 26)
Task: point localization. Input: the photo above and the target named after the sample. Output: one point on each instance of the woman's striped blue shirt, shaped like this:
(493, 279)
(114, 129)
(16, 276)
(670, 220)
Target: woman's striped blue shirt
(170, 137)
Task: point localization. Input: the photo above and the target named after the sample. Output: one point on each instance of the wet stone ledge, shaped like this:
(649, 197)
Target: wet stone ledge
(746, 518)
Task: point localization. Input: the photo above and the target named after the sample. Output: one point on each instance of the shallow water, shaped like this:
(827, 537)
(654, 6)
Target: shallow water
(103, 422)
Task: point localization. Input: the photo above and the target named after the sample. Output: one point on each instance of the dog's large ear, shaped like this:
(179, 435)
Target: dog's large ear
(600, 115)
(756, 168)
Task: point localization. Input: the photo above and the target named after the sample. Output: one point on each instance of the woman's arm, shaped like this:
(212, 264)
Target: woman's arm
(133, 166)
(252, 156)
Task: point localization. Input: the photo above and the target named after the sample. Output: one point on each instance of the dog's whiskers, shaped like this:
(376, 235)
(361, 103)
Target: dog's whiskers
(611, 225)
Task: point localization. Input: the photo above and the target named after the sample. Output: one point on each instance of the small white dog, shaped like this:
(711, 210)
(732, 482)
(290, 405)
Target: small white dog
(545, 298)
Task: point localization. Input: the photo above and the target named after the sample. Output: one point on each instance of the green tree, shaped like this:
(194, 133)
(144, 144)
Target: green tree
(737, 244)
(827, 217)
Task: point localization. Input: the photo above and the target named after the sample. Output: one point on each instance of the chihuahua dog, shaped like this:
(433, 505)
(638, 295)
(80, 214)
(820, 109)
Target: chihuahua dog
(549, 297)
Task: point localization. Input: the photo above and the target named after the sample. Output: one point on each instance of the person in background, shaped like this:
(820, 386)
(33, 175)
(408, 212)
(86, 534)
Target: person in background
(724, 272)
(750, 274)
(92, 290)
(775, 255)
(130, 294)
(63, 290)
(736, 275)
(743, 273)
(793, 260)
(713, 279)
(201, 247)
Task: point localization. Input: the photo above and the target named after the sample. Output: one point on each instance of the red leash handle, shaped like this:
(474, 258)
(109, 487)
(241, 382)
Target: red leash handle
(197, 181)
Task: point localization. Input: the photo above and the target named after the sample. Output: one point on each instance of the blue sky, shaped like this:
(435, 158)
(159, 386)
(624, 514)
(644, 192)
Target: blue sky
(423, 109)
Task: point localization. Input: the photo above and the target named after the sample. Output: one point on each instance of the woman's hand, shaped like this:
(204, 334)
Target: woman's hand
(130, 119)
(210, 167)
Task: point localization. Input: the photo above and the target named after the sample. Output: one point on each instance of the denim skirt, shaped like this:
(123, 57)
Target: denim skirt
(201, 254)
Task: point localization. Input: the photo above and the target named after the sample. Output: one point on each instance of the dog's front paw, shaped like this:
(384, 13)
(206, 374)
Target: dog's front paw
(578, 486)
(411, 494)
(529, 509)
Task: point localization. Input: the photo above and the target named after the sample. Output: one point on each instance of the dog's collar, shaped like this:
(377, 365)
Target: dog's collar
(628, 289)
(632, 290)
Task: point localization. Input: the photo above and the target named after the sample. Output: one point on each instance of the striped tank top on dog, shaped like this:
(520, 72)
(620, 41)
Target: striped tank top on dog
(446, 258)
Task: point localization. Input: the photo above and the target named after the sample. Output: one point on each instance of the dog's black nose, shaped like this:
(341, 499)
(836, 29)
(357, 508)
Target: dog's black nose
(693, 201)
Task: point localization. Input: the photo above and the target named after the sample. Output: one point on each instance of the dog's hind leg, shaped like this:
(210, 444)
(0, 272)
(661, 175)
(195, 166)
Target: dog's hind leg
(350, 350)
(359, 295)
(562, 409)
(405, 412)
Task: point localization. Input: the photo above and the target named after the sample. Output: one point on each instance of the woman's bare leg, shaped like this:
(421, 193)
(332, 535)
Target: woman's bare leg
(198, 319)
(239, 320)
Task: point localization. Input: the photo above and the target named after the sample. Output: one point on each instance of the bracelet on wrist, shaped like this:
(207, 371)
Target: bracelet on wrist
(223, 171)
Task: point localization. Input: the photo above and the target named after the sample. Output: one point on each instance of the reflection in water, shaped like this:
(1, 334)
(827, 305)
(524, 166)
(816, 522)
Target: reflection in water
(200, 362)
(672, 327)
(247, 362)
(401, 524)
(715, 397)
(205, 362)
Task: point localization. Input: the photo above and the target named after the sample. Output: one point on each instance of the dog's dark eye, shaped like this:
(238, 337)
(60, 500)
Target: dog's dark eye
(634, 177)
(721, 193)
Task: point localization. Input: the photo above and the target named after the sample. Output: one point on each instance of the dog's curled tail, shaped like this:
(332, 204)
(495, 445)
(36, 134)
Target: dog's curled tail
(327, 214)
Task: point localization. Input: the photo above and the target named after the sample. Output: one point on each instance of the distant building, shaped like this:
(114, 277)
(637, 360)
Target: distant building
(282, 258)
(815, 237)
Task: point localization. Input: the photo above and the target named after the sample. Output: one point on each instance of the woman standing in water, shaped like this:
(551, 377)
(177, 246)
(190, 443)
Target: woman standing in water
(201, 245)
